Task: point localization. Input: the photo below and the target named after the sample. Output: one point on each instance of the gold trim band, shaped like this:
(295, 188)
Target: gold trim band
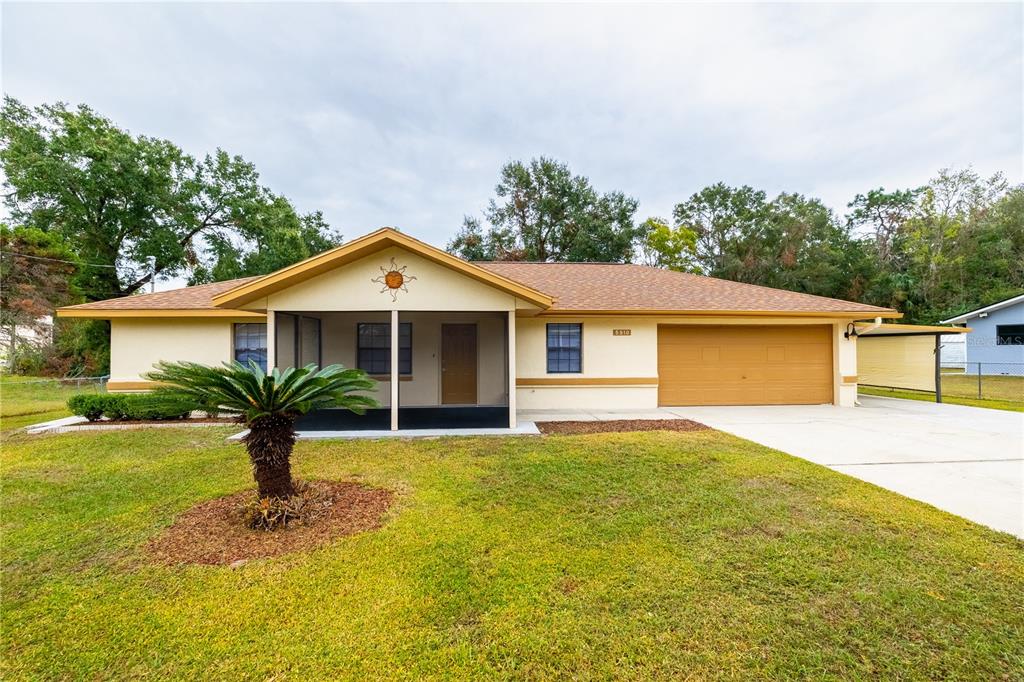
(587, 381)
(131, 385)
(107, 314)
(649, 312)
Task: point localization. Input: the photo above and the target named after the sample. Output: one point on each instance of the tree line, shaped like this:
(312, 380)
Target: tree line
(931, 252)
(120, 209)
(96, 212)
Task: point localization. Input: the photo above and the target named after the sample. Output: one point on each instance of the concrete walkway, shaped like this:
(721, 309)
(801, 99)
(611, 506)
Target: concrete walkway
(965, 460)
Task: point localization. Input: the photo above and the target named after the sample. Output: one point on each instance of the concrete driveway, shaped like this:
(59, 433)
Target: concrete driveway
(965, 460)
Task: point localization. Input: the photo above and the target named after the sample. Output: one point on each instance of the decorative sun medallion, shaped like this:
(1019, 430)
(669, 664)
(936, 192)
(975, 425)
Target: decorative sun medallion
(394, 279)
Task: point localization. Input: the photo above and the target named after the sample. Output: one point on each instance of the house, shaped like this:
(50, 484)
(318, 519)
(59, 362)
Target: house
(997, 339)
(35, 335)
(459, 343)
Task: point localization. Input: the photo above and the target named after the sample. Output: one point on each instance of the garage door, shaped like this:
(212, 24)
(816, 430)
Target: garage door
(744, 365)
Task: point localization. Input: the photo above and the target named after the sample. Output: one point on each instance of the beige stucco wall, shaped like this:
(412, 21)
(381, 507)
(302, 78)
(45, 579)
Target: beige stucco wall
(136, 344)
(350, 287)
(606, 356)
(898, 361)
(844, 353)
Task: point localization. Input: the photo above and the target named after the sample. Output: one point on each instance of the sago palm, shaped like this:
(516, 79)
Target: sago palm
(269, 403)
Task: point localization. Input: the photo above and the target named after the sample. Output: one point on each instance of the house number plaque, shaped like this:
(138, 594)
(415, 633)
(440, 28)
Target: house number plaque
(622, 332)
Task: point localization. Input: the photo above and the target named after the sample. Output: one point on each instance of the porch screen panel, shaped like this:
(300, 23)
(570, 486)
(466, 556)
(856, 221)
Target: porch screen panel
(374, 347)
(310, 342)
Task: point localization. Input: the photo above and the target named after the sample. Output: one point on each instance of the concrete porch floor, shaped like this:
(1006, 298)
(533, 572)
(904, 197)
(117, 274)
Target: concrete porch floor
(524, 428)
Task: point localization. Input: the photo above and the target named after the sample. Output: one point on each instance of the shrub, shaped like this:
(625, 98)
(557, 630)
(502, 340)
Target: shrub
(115, 407)
(88, 405)
(147, 407)
(28, 361)
(142, 407)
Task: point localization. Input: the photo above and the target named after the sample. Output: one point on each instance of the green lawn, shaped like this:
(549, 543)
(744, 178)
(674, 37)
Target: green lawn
(30, 400)
(998, 392)
(993, 387)
(652, 555)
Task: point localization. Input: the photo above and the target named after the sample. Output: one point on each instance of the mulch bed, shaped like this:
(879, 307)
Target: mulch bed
(187, 420)
(619, 425)
(214, 533)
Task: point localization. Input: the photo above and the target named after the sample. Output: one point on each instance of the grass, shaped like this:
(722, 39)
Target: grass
(30, 400)
(652, 555)
(1000, 393)
(993, 387)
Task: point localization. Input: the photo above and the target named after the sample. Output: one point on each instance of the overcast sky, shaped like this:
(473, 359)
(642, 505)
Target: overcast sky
(402, 115)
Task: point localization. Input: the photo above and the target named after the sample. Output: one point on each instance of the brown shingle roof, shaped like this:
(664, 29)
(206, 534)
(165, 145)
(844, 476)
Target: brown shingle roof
(611, 286)
(199, 297)
(575, 287)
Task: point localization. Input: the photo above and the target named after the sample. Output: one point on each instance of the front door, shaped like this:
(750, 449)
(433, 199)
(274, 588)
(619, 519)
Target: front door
(458, 364)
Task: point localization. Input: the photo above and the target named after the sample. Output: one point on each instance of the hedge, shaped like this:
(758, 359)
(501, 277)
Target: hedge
(137, 407)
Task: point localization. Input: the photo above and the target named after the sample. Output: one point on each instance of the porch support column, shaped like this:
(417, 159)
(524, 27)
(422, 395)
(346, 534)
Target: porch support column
(394, 370)
(271, 342)
(511, 353)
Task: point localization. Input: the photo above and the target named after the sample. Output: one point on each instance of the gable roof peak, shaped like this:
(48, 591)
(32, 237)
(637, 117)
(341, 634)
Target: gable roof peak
(365, 246)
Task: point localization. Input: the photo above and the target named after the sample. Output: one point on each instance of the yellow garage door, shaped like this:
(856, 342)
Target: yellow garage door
(734, 365)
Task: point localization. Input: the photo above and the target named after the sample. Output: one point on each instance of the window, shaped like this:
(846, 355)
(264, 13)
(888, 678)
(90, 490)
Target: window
(251, 343)
(565, 343)
(374, 342)
(1010, 334)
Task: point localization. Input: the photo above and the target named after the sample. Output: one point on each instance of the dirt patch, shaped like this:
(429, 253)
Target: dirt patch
(214, 532)
(619, 425)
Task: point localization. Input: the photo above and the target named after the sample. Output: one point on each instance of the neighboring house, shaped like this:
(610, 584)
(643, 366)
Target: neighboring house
(460, 343)
(997, 339)
(954, 351)
(34, 336)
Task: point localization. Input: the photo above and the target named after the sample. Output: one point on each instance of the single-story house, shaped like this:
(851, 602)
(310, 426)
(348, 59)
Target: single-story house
(997, 337)
(467, 343)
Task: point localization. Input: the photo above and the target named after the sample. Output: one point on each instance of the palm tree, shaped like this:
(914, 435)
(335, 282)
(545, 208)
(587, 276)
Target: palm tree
(268, 403)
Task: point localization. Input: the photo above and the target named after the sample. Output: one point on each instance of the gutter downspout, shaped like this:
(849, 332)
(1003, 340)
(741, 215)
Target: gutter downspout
(871, 327)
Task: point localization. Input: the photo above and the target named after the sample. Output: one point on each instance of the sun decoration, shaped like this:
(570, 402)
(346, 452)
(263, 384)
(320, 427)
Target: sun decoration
(393, 279)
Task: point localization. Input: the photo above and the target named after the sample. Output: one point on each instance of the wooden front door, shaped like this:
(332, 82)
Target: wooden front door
(458, 364)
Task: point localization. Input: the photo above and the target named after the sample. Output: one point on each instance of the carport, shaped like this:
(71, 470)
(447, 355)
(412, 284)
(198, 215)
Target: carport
(901, 355)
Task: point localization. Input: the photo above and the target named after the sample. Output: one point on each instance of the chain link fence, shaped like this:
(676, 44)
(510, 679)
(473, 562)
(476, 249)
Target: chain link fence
(29, 400)
(984, 381)
(984, 384)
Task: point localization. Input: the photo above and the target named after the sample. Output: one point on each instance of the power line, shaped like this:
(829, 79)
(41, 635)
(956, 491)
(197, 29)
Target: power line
(58, 260)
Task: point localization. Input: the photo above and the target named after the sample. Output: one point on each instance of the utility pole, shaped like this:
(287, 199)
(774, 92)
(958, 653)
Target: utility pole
(152, 273)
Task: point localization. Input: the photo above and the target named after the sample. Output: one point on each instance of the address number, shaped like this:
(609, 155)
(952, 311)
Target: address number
(621, 332)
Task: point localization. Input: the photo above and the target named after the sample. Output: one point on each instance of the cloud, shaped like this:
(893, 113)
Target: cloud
(403, 114)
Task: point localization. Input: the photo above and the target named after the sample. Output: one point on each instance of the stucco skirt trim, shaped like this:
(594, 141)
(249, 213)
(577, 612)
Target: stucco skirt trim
(131, 385)
(587, 381)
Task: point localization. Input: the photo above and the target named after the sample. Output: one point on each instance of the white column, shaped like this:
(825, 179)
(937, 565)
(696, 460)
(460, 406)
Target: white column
(271, 342)
(394, 370)
(845, 367)
(511, 352)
